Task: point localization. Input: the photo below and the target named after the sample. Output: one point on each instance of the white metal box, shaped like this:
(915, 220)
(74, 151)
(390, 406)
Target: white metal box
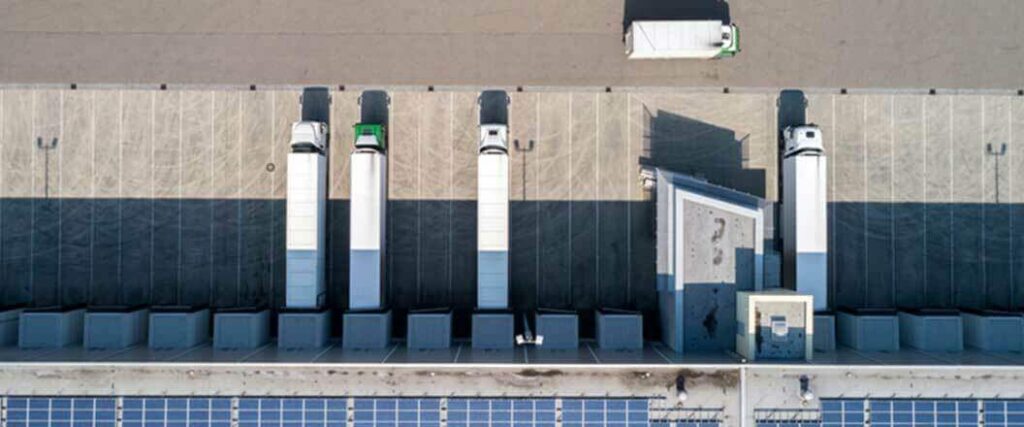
(306, 232)
(492, 231)
(367, 227)
(777, 324)
(710, 244)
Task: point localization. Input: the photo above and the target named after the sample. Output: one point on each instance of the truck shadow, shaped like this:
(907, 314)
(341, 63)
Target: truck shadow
(681, 10)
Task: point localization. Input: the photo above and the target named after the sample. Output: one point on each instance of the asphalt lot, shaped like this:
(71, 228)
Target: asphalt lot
(951, 44)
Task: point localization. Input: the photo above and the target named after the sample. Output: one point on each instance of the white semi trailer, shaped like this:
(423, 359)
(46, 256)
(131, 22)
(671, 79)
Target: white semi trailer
(306, 228)
(681, 40)
(492, 218)
(805, 214)
(367, 225)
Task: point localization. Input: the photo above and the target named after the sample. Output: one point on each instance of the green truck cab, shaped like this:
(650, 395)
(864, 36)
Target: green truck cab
(370, 136)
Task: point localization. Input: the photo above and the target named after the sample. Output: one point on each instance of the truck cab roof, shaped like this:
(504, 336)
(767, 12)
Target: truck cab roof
(493, 137)
(309, 136)
(803, 139)
(370, 136)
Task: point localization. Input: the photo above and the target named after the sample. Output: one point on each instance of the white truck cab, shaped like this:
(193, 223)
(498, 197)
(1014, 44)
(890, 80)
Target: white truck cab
(806, 138)
(493, 137)
(309, 136)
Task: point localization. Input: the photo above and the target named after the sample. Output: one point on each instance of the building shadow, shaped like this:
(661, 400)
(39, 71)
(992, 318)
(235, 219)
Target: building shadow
(699, 149)
(316, 104)
(576, 255)
(494, 107)
(669, 10)
(374, 107)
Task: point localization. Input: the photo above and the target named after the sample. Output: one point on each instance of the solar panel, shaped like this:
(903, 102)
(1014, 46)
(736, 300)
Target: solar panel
(842, 413)
(909, 413)
(1004, 413)
(501, 412)
(61, 412)
(292, 412)
(391, 412)
(604, 412)
(176, 412)
(924, 412)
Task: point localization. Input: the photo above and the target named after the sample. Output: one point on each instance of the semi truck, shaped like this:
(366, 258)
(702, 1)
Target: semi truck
(681, 40)
(306, 217)
(805, 214)
(367, 225)
(492, 217)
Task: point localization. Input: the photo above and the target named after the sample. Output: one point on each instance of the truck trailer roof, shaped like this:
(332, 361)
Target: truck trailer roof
(681, 39)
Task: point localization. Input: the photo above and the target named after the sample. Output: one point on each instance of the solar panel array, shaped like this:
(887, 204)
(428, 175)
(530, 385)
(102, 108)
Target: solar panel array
(1004, 413)
(951, 413)
(604, 412)
(61, 412)
(341, 412)
(842, 413)
(176, 412)
(907, 413)
(501, 412)
(405, 412)
(292, 412)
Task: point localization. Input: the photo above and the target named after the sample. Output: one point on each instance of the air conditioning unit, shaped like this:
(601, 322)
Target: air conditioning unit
(776, 324)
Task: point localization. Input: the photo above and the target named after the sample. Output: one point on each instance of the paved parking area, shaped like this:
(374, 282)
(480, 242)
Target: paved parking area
(786, 43)
(114, 196)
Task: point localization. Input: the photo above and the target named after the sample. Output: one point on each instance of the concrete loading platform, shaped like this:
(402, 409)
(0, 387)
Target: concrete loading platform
(179, 195)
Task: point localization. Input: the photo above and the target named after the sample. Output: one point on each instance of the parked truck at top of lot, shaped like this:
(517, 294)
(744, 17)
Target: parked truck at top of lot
(681, 40)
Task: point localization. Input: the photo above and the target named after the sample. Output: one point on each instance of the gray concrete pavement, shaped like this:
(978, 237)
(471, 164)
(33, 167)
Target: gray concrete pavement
(787, 43)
